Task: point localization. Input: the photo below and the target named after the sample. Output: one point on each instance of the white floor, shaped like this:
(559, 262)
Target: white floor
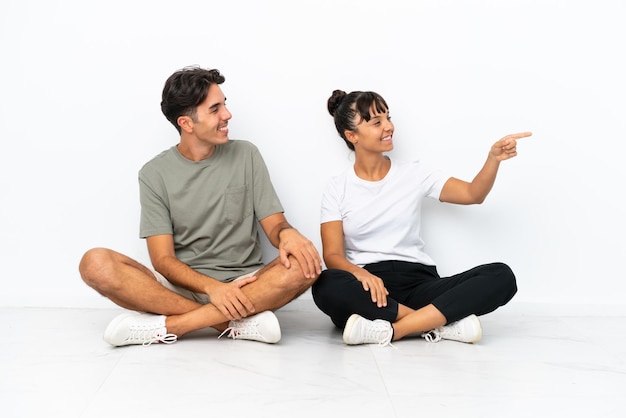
(530, 363)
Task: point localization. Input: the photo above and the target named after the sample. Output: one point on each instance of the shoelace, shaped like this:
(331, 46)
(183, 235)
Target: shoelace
(247, 328)
(432, 336)
(149, 336)
(231, 333)
(450, 331)
(165, 339)
(387, 344)
(380, 333)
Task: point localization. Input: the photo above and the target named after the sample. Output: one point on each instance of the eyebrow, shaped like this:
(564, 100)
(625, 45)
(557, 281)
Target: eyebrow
(218, 104)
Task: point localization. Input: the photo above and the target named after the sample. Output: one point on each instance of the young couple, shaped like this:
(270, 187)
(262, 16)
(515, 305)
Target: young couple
(201, 202)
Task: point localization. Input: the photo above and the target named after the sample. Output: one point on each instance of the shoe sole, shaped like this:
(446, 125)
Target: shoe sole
(348, 328)
(276, 324)
(113, 325)
(478, 328)
(264, 318)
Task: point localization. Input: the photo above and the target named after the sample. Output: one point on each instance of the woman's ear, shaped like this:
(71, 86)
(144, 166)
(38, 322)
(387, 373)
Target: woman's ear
(351, 136)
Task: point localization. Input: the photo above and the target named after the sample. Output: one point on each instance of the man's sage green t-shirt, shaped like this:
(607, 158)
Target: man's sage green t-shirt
(211, 207)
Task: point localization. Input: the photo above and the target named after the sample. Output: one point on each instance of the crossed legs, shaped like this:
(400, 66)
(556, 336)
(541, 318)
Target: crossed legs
(132, 285)
(419, 300)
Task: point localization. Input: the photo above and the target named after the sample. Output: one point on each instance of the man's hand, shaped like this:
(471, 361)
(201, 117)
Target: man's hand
(230, 300)
(291, 242)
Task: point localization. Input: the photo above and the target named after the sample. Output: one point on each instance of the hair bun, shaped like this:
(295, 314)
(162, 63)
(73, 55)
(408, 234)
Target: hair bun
(334, 101)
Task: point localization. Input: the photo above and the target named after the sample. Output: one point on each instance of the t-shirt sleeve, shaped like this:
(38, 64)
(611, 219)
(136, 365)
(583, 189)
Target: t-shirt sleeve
(155, 213)
(431, 180)
(330, 206)
(266, 201)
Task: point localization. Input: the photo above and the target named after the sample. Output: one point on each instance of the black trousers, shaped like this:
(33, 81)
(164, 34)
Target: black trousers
(477, 291)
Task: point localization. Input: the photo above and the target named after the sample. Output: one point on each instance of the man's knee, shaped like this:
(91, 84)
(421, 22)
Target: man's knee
(96, 267)
(295, 276)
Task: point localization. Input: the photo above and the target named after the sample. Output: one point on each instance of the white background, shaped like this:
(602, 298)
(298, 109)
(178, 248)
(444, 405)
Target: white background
(79, 115)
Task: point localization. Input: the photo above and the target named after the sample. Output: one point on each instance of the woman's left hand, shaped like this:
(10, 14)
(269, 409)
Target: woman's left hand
(506, 147)
(374, 285)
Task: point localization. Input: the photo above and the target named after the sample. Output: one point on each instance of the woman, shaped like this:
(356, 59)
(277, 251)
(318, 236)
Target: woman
(380, 285)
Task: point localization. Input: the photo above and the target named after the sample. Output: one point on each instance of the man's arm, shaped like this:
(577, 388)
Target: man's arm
(227, 297)
(290, 242)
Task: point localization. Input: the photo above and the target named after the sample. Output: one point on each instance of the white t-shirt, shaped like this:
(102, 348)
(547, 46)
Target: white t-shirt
(382, 219)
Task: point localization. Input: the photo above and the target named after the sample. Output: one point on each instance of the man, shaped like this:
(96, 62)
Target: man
(200, 204)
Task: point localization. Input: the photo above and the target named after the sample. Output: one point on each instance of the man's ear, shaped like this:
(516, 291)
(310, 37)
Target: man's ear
(185, 123)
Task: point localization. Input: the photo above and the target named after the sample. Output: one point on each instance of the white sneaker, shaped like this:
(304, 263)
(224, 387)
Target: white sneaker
(137, 328)
(263, 327)
(359, 330)
(466, 330)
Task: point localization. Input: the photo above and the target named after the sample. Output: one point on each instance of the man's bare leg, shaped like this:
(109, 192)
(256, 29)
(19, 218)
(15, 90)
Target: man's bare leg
(275, 287)
(131, 285)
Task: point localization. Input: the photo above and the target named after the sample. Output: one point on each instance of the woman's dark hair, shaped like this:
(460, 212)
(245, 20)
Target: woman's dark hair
(185, 90)
(345, 107)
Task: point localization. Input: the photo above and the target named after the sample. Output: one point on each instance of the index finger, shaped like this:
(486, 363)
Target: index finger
(244, 281)
(519, 135)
